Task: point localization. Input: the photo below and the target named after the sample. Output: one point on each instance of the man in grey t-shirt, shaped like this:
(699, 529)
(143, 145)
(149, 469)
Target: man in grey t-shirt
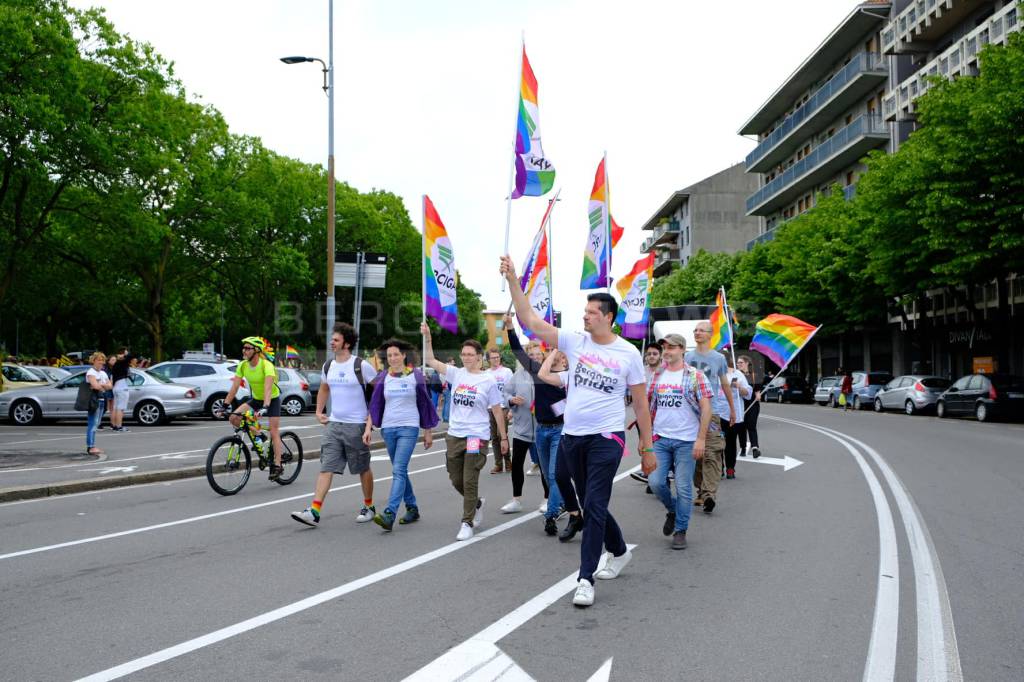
(715, 368)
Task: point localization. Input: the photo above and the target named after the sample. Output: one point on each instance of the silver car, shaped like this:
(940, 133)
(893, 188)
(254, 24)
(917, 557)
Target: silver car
(48, 373)
(911, 393)
(295, 395)
(825, 390)
(151, 400)
(214, 378)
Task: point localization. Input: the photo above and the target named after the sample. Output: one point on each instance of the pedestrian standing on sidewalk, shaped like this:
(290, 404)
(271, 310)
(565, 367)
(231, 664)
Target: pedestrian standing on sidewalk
(346, 440)
(603, 368)
(99, 382)
(119, 378)
(107, 398)
(400, 407)
(519, 395)
(680, 403)
(475, 396)
(502, 375)
(751, 408)
(741, 391)
(846, 389)
(715, 369)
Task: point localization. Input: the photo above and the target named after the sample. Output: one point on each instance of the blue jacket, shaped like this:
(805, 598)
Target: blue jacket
(426, 408)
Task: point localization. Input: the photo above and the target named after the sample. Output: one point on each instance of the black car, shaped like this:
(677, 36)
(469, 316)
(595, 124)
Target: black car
(986, 396)
(787, 389)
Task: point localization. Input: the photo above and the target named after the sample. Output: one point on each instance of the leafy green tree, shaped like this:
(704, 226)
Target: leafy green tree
(698, 282)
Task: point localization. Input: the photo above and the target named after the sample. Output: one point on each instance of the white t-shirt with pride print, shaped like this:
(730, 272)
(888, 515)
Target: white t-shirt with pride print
(472, 397)
(599, 377)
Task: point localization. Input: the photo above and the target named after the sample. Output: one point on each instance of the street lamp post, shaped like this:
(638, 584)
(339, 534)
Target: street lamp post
(328, 70)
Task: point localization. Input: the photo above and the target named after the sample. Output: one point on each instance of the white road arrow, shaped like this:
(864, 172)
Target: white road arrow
(786, 462)
(479, 659)
(116, 470)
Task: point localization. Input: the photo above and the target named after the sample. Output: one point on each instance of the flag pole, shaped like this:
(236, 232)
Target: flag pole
(551, 277)
(607, 223)
(788, 362)
(423, 285)
(515, 136)
(728, 321)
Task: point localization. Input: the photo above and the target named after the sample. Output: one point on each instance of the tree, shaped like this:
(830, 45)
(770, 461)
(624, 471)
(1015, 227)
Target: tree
(698, 282)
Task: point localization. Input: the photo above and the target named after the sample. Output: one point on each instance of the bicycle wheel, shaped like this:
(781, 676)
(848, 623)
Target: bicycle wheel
(228, 465)
(291, 458)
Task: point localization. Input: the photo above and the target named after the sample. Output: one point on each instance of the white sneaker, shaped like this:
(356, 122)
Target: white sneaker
(513, 507)
(306, 516)
(534, 470)
(613, 566)
(584, 593)
(478, 517)
(366, 514)
(543, 507)
(465, 532)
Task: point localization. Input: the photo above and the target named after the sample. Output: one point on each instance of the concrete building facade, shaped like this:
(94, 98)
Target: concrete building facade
(706, 215)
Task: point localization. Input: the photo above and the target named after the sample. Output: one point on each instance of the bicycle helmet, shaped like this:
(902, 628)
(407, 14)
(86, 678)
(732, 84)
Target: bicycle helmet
(256, 342)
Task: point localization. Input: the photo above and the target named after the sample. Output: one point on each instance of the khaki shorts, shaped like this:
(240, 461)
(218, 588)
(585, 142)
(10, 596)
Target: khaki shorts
(343, 444)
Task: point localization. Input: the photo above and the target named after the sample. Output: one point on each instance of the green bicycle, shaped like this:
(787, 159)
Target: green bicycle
(229, 462)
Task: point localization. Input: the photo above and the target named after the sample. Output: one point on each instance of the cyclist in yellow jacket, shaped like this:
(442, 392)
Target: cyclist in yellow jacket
(261, 376)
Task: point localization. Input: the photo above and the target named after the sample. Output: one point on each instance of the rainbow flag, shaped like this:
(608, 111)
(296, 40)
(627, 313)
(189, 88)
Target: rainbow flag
(535, 175)
(780, 337)
(439, 276)
(721, 330)
(634, 288)
(536, 277)
(617, 231)
(597, 256)
(269, 350)
(290, 353)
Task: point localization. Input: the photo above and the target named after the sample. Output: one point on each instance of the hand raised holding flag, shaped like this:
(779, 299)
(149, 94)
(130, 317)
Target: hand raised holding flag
(528, 317)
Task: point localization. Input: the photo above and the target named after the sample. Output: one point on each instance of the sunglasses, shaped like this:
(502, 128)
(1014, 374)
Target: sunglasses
(248, 348)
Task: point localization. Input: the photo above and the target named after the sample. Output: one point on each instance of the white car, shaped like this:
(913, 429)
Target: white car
(214, 378)
(294, 387)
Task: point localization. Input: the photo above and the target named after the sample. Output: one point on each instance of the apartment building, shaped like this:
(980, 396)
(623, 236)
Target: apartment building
(927, 38)
(706, 215)
(817, 125)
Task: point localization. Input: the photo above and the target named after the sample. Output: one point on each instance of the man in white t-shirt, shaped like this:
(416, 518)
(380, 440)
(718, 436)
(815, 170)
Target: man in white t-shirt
(603, 368)
(347, 438)
(680, 400)
(502, 375)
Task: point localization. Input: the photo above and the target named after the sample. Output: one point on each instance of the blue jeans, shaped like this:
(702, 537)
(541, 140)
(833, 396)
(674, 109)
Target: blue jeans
(679, 454)
(447, 409)
(546, 441)
(400, 442)
(533, 453)
(90, 429)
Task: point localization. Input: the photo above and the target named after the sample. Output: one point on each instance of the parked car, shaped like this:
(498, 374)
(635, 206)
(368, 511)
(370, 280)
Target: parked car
(825, 389)
(214, 378)
(787, 389)
(151, 400)
(911, 392)
(313, 376)
(49, 373)
(295, 395)
(16, 376)
(986, 396)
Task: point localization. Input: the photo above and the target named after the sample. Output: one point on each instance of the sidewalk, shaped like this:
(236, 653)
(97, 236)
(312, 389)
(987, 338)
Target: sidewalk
(75, 484)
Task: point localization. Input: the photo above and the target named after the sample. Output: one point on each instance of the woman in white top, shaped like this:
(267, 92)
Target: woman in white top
(99, 382)
(740, 388)
(475, 396)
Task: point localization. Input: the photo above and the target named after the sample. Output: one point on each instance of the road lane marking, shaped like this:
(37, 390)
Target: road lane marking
(881, 659)
(787, 463)
(193, 519)
(480, 659)
(938, 655)
(307, 603)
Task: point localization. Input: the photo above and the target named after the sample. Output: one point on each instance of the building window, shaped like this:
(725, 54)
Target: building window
(800, 206)
(849, 178)
(849, 119)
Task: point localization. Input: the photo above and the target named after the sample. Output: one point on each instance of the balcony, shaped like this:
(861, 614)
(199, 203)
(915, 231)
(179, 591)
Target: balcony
(961, 59)
(763, 238)
(923, 22)
(843, 149)
(664, 260)
(666, 233)
(862, 75)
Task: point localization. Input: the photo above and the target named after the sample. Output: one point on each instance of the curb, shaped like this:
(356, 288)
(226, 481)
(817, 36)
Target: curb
(32, 492)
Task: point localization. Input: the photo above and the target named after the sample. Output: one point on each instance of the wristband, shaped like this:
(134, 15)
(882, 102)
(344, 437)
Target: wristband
(646, 451)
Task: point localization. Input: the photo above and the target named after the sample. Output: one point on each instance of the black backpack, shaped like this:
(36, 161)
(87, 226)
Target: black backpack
(358, 365)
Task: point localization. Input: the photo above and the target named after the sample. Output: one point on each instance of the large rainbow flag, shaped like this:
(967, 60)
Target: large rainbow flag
(535, 175)
(780, 337)
(721, 330)
(597, 256)
(536, 277)
(438, 270)
(634, 290)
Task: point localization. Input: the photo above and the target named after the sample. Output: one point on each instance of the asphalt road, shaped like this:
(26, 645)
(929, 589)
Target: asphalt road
(892, 550)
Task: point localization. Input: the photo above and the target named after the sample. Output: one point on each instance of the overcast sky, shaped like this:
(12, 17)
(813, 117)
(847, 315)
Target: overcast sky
(426, 96)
